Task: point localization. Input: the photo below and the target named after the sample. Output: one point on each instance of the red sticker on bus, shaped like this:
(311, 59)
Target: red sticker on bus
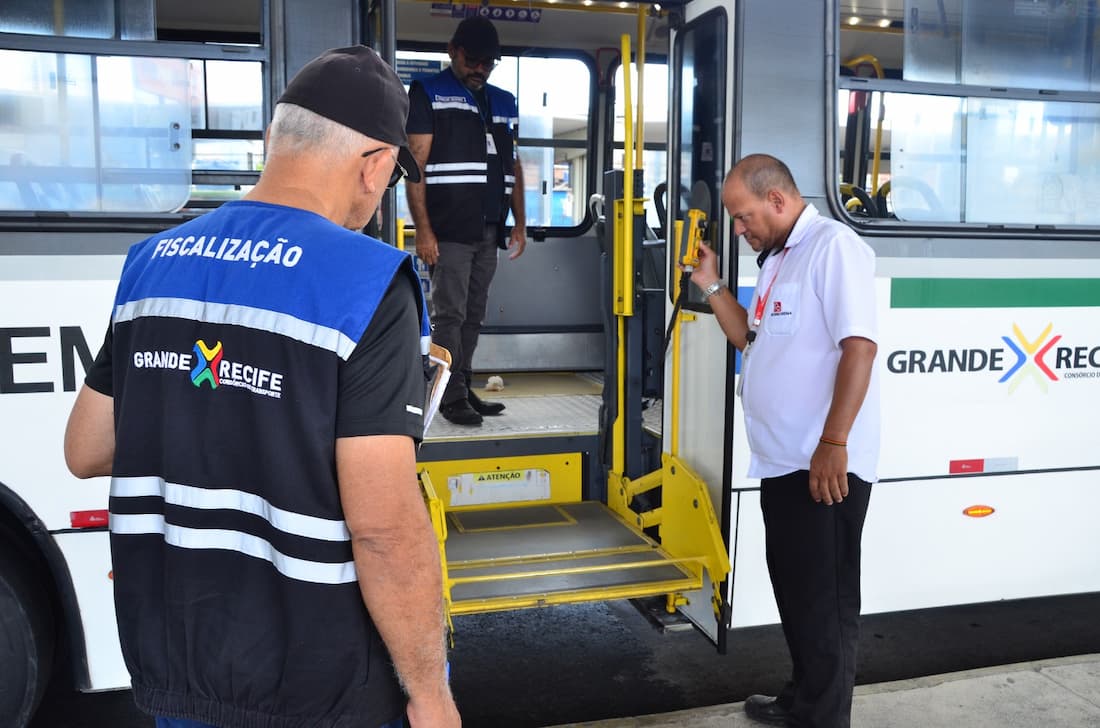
(89, 519)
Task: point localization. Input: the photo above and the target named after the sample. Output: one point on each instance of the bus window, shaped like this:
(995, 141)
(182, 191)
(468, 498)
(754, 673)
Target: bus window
(655, 110)
(973, 111)
(227, 124)
(86, 19)
(87, 133)
(554, 102)
(96, 125)
(554, 96)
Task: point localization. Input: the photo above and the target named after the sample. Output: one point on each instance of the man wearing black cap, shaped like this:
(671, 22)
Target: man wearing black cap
(462, 133)
(257, 403)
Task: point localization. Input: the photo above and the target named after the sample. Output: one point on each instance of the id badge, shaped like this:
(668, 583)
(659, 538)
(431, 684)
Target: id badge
(490, 144)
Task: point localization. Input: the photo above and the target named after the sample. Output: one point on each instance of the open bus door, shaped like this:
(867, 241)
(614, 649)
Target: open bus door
(519, 508)
(700, 152)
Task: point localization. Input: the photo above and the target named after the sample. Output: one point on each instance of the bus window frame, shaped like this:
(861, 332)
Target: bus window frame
(18, 220)
(611, 145)
(729, 30)
(541, 232)
(835, 82)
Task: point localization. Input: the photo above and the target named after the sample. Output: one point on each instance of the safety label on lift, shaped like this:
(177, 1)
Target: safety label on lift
(499, 486)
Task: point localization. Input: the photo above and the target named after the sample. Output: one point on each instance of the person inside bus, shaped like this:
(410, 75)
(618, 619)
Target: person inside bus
(462, 132)
(257, 402)
(811, 403)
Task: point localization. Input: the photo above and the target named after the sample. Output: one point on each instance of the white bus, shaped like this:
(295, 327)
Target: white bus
(961, 138)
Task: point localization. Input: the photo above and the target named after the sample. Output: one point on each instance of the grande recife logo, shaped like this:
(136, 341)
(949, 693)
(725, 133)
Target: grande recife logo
(1025, 357)
(206, 364)
(209, 365)
(1030, 358)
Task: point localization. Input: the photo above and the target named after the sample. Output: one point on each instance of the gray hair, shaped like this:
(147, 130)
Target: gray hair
(297, 130)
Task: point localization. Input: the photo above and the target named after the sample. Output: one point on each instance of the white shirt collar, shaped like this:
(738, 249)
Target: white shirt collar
(805, 220)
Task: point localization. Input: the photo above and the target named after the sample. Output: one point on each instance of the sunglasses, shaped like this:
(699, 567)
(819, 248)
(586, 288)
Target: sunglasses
(487, 63)
(399, 172)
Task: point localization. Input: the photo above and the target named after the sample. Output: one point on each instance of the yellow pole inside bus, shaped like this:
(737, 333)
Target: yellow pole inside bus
(622, 290)
(639, 63)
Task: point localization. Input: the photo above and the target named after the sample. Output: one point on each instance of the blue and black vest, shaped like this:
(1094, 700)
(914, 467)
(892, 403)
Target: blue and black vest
(457, 168)
(235, 586)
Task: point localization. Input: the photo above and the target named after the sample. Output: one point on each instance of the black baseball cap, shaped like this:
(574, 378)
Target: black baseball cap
(477, 36)
(353, 86)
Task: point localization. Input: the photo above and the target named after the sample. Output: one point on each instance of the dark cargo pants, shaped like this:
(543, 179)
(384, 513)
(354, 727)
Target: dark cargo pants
(460, 291)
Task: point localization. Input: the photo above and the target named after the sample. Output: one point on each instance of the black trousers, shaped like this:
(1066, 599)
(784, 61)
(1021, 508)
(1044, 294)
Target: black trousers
(813, 553)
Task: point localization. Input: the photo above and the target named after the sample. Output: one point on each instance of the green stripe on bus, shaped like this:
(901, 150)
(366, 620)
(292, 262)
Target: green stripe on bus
(993, 292)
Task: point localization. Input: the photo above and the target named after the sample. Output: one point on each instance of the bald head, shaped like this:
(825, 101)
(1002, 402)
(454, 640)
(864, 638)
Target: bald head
(763, 172)
(762, 199)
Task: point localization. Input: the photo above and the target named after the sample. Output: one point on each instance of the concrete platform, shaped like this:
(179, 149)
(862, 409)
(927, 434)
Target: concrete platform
(1060, 693)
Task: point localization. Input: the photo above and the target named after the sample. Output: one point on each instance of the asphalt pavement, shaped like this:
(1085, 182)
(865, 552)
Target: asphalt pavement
(591, 662)
(1060, 693)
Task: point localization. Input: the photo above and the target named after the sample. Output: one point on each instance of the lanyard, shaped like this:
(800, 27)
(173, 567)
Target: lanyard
(758, 316)
(762, 301)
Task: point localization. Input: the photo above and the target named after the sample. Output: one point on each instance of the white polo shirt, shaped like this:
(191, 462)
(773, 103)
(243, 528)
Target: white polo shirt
(823, 292)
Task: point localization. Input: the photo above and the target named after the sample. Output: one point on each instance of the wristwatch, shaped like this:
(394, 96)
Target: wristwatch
(713, 288)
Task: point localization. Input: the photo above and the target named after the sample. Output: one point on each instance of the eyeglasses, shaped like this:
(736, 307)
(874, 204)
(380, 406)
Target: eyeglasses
(488, 62)
(399, 172)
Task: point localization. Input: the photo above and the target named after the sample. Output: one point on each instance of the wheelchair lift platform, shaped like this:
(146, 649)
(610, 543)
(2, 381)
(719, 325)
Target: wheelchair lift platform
(523, 519)
(538, 555)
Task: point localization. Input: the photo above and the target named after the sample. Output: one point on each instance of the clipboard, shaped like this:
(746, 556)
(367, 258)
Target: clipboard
(439, 362)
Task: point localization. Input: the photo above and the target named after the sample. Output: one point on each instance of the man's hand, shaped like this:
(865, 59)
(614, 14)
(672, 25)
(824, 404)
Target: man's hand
(707, 271)
(427, 246)
(829, 474)
(517, 242)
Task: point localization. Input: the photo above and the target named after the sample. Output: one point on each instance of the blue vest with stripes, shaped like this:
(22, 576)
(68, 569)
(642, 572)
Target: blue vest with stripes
(455, 174)
(235, 587)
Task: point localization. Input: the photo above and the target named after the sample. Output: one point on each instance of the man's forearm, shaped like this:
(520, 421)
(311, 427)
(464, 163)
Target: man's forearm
(401, 582)
(731, 315)
(396, 556)
(90, 434)
(416, 194)
(853, 377)
(420, 145)
(519, 205)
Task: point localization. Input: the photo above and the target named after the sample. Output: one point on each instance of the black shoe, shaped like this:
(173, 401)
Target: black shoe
(481, 406)
(765, 709)
(460, 412)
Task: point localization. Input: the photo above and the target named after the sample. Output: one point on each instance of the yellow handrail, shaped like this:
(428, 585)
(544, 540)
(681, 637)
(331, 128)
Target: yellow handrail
(627, 269)
(876, 159)
(639, 63)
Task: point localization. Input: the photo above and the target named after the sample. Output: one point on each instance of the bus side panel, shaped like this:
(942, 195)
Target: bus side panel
(987, 374)
(991, 474)
(89, 559)
(49, 327)
(920, 549)
(753, 602)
